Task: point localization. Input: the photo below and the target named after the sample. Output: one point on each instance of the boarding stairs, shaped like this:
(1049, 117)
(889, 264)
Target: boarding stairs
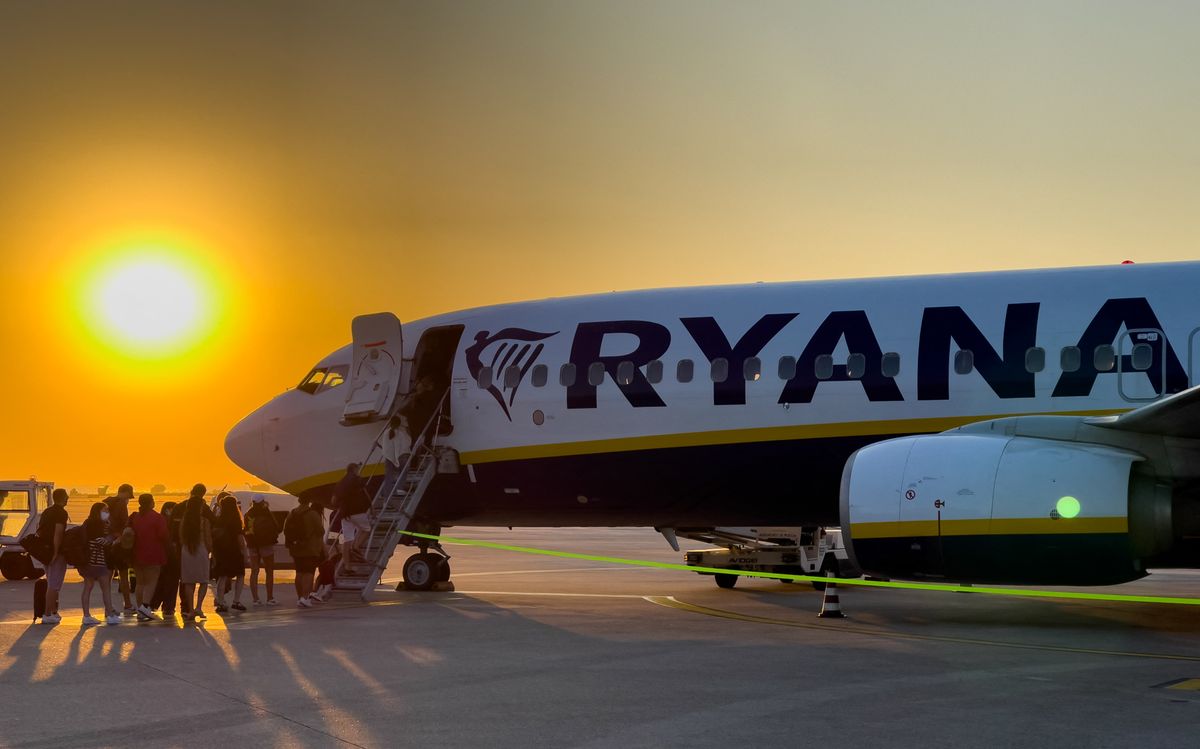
(392, 513)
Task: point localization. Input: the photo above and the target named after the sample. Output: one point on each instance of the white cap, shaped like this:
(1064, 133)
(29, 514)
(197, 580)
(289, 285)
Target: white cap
(258, 498)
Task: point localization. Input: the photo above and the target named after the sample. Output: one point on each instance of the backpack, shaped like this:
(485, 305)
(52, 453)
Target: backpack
(75, 546)
(262, 528)
(38, 548)
(294, 532)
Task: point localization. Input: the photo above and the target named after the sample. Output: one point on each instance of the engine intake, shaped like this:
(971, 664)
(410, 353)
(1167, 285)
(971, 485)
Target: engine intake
(1001, 509)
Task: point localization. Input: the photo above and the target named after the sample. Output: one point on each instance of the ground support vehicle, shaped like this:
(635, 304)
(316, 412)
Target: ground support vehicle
(21, 503)
(794, 551)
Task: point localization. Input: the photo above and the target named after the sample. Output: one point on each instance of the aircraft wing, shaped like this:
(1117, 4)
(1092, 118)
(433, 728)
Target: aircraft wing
(1174, 416)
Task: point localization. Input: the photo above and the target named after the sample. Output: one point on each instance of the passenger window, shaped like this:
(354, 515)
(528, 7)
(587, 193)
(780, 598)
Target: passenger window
(752, 369)
(889, 366)
(485, 378)
(720, 369)
(540, 375)
(683, 370)
(856, 366)
(312, 382)
(1104, 358)
(512, 376)
(964, 361)
(823, 367)
(1143, 357)
(787, 367)
(625, 372)
(654, 372)
(1035, 359)
(566, 375)
(1070, 359)
(596, 373)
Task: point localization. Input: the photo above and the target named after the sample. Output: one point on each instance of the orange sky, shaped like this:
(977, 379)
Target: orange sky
(329, 159)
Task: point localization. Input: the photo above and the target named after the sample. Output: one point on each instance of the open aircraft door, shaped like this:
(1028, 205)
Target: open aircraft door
(1141, 365)
(376, 363)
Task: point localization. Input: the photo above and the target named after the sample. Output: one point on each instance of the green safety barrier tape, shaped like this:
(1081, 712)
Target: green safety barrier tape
(944, 587)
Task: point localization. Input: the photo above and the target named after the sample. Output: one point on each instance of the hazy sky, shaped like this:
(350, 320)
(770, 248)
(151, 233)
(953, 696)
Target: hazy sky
(326, 159)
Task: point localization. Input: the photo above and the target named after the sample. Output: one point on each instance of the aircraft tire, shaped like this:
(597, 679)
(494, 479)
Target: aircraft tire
(442, 569)
(829, 565)
(420, 571)
(13, 565)
(725, 580)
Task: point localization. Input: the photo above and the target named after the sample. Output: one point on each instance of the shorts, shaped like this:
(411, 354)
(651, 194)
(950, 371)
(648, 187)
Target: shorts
(95, 572)
(56, 571)
(306, 565)
(352, 524)
(261, 552)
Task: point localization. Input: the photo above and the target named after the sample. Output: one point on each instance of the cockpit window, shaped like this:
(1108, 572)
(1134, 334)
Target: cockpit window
(324, 378)
(313, 381)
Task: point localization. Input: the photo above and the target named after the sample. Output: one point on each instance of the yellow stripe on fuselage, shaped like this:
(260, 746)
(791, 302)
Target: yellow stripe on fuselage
(989, 527)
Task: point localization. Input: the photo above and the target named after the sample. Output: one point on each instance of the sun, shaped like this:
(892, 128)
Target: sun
(149, 303)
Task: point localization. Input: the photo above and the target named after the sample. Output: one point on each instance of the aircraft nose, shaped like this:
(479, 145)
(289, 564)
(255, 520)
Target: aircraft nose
(244, 445)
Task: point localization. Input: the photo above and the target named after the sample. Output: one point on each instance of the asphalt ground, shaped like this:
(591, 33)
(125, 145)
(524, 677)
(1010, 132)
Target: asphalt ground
(543, 651)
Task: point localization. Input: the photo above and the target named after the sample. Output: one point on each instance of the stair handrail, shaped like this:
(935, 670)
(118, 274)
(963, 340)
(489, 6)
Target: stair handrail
(419, 444)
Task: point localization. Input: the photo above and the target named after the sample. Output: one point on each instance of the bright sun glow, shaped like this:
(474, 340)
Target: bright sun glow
(149, 302)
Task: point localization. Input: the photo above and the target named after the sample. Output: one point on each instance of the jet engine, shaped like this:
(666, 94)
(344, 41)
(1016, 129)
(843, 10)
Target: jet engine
(1003, 509)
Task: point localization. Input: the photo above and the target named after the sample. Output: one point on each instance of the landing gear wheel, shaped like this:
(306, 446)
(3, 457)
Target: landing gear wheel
(14, 565)
(420, 571)
(724, 580)
(443, 569)
(829, 565)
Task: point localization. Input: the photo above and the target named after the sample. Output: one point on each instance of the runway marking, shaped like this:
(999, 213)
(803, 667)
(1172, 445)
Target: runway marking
(1192, 685)
(674, 603)
(941, 587)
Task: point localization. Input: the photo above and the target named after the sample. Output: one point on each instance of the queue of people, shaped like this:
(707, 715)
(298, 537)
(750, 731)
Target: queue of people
(163, 559)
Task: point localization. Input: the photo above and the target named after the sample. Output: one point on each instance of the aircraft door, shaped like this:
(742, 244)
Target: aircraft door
(1193, 362)
(1141, 365)
(376, 362)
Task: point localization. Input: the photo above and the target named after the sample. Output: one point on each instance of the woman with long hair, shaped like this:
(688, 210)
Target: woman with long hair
(166, 591)
(229, 552)
(99, 542)
(196, 542)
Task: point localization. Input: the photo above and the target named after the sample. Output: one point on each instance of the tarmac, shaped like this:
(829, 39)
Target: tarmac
(549, 652)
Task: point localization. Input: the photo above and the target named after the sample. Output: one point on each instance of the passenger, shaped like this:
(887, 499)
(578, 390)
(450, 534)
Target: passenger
(229, 553)
(419, 407)
(262, 533)
(166, 591)
(149, 553)
(122, 556)
(51, 527)
(327, 574)
(304, 533)
(197, 496)
(95, 530)
(196, 535)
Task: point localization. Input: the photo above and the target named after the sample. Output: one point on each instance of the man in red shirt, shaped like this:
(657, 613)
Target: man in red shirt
(149, 552)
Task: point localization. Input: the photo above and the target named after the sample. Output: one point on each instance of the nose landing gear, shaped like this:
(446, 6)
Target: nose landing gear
(426, 571)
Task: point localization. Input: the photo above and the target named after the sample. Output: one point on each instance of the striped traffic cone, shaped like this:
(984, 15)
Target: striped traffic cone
(830, 606)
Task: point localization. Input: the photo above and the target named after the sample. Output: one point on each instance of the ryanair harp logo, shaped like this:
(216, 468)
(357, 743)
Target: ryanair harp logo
(508, 349)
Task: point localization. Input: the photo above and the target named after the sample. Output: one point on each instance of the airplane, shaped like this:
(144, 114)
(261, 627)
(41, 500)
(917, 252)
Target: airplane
(1022, 427)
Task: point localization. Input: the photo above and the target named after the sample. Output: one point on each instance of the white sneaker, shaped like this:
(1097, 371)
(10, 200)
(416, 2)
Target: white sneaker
(145, 611)
(130, 612)
(51, 619)
(303, 603)
(112, 618)
(314, 598)
(90, 621)
(272, 602)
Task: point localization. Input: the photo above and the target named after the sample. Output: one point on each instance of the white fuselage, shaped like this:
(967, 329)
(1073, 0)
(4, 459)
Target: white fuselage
(786, 380)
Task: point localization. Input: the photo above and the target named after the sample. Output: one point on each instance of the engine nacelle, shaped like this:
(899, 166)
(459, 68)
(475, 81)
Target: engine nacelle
(992, 508)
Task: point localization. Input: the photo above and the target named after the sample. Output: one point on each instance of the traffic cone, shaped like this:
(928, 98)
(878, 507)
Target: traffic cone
(830, 607)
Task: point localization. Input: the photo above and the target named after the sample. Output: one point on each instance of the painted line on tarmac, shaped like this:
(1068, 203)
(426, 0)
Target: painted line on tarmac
(674, 603)
(941, 587)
